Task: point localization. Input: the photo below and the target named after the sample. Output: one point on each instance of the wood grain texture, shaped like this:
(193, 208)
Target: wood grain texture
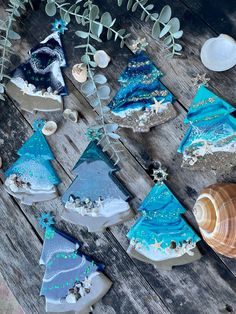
(202, 287)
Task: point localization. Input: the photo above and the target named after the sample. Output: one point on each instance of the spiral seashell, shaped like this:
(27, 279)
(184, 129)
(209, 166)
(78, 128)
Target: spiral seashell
(80, 72)
(215, 212)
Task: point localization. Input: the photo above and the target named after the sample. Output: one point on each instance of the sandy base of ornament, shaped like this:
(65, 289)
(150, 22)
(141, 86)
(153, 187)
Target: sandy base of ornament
(28, 198)
(33, 103)
(133, 120)
(97, 223)
(168, 263)
(100, 286)
(216, 161)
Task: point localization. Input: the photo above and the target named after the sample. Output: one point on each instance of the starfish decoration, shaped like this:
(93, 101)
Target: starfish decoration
(157, 106)
(207, 148)
(159, 175)
(25, 89)
(139, 44)
(59, 26)
(99, 202)
(200, 80)
(156, 245)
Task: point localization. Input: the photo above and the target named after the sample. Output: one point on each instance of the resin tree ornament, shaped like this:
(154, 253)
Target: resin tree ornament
(215, 212)
(32, 177)
(161, 236)
(72, 281)
(210, 142)
(96, 198)
(142, 101)
(38, 84)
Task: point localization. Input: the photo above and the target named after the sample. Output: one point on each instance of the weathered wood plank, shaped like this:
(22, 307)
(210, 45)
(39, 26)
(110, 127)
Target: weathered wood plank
(133, 291)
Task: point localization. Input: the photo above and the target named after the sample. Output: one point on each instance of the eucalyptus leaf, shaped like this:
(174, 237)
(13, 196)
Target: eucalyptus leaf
(149, 7)
(154, 16)
(94, 102)
(2, 97)
(164, 31)
(135, 6)
(106, 109)
(88, 88)
(85, 59)
(67, 18)
(178, 34)
(106, 19)
(109, 34)
(1, 88)
(94, 12)
(104, 92)
(119, 2)
(156, 29)
(129, 4)
(95, 37)
(13, 35)
(175, 25)
(111, 127)
(96, 28)
(51, 9)
(168, 40)
(82, 34)
(165, 14)
(177, 47)
(100, 79)
(114, 136)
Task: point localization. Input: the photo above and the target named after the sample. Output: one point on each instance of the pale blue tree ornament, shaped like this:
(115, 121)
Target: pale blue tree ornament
(96, 198)
(161, 236)
(32, 177)
(72, 281)
(210, 141)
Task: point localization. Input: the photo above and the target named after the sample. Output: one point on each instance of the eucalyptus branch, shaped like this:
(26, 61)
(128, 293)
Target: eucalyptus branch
(163, 25)
(7, 34)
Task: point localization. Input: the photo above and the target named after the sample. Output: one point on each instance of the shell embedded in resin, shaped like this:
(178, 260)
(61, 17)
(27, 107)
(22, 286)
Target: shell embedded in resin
(215, 212)
(219, 53)
(80, 72)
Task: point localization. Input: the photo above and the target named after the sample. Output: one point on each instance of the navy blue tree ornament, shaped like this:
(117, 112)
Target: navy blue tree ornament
(38, 84)
(161, 236)
(32, 177)
(72, 281)
(142, 101)
(210, 141)
(96, 198)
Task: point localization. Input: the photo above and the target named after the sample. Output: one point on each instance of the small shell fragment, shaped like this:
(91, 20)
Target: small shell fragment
(71, 115)
(71, 298)
(101, 58)
(49, 128)
(80, 72)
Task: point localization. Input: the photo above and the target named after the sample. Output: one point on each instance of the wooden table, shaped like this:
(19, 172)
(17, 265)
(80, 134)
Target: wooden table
(206, 286)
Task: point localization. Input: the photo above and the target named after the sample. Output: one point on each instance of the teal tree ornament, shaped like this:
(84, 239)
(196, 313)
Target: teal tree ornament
(32, 177)
(96, 198)
(161, 236)
(210, 141)
(72, 281)
(142, 101)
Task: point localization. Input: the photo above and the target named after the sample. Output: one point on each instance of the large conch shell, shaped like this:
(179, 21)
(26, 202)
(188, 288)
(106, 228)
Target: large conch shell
(215, 212)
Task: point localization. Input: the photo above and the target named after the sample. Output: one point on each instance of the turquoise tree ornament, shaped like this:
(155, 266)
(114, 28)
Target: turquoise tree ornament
(142, 101)
(32, 177)
(96, 198)
(161, 236)
(210, 141)
(72, 281)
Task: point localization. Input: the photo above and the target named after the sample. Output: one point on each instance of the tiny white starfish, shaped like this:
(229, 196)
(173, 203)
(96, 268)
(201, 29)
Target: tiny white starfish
(157, 106)
(139, 44)
(156, 245)
(200, 80)
(99, 202)
(207, 148)
(25, 89)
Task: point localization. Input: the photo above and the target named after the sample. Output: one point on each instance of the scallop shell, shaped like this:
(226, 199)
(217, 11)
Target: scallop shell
(80, 72)
(101, 58)
(71, 115)
(49, 128)
(219, 53)
(215, 212)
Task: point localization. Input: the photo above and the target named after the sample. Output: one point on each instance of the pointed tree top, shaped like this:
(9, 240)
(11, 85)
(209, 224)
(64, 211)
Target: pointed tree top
(92, 153)
(207, 106)
(37, 145)
(159, 198)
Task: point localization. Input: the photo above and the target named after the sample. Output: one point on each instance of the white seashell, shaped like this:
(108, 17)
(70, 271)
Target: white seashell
(71, 298)
(80, 72)
(49, 128)
(101, 58)
(71, 115)
(219, 53)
